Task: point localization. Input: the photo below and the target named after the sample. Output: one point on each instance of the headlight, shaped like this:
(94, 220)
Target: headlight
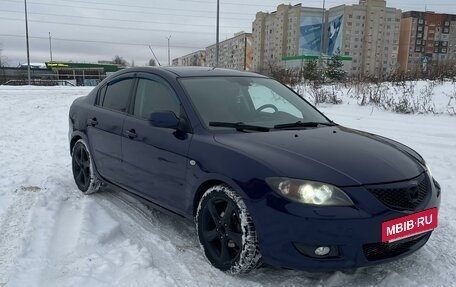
(309, 192)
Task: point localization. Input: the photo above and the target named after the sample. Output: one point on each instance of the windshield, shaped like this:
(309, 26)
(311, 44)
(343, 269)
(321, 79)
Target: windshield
(251, 101)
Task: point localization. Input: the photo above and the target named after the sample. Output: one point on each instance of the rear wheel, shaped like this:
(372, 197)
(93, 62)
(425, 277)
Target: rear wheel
(226, 231)
(82, 166)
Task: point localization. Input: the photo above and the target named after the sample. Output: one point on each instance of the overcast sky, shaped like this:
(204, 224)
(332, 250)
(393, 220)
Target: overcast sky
(92, 30)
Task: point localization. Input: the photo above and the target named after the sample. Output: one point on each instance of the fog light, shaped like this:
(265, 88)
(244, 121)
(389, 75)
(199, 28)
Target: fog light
(322, 250)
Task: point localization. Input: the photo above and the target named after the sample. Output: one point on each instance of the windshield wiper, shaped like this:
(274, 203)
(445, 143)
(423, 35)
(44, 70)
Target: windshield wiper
(239, 126)
(300, 124)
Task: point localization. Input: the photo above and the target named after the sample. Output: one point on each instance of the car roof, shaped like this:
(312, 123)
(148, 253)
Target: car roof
(184, 71)
(207, 71)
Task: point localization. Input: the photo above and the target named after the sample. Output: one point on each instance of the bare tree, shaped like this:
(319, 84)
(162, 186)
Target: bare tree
(152, 62)
(118, 60)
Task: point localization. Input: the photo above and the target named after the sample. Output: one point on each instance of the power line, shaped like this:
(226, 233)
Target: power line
(225, 3)
(117, 20)
(107, 27)
(317, 2)
(96, 41)
(132, 6)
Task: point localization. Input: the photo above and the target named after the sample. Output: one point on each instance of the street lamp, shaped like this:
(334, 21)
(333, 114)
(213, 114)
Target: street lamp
(27, 41)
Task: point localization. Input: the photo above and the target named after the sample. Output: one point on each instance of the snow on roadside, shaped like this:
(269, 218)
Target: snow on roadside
(419, 96)
(51, 235)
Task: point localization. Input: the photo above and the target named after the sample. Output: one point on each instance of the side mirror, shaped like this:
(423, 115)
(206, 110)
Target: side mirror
(164, 119)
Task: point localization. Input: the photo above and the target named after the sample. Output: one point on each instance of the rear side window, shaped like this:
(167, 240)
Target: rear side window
(116, 97)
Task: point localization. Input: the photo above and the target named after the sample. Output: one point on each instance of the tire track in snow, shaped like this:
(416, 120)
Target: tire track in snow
(141, 229)
(172, 242)
(12, 227)
(66, 230)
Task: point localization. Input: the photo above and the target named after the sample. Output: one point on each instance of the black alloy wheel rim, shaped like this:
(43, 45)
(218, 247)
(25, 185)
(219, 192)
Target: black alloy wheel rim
(81, 167)
(221, 231)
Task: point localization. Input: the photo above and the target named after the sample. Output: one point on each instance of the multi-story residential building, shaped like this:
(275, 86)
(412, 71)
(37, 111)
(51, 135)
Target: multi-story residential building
(366, 35)
(234, 53)
(369, 34)
(426, 37)
(289, 31)
(177, 61)
(197, 58)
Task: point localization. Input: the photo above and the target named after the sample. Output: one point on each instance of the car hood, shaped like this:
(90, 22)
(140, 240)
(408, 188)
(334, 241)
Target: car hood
(335, 155)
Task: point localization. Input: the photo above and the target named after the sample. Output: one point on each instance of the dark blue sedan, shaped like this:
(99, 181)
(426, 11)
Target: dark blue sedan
(266, 177)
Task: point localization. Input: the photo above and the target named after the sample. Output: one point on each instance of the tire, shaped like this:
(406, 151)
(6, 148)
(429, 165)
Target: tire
(83, 168)
(229, 243)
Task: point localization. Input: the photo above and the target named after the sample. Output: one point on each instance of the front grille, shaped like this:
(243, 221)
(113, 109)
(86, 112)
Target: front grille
(402, 196)
(381, 250)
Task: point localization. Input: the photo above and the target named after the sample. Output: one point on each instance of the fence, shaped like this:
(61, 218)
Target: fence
(45, 77)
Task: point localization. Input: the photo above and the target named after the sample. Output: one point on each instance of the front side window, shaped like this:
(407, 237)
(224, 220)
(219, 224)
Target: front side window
(247, 100)
(153, 96)
(117, 95)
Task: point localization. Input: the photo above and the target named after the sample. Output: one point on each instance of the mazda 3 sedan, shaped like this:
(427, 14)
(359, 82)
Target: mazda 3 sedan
(266, 177)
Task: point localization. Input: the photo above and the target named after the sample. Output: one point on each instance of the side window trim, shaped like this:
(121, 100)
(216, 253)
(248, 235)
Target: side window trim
(132, 96)
(100, 95)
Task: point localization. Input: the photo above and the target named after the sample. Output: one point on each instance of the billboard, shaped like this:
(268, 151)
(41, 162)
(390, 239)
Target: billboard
(335, 33)
(310, 35)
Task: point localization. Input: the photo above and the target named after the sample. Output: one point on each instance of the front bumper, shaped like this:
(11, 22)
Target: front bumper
(282, 227)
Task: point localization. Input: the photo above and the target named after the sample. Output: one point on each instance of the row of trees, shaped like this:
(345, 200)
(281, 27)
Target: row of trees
(318, 71)
(331, 70)
(118, 60)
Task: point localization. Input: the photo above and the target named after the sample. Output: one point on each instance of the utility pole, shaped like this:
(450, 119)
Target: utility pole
(169, 51)
(27, 40)
(50, 46)
(217, 35)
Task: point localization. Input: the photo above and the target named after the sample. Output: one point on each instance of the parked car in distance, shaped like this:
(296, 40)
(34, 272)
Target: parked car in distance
(266, 177)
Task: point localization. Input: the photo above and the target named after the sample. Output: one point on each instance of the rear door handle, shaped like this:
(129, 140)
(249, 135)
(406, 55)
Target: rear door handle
(131, 134)
(92, 122)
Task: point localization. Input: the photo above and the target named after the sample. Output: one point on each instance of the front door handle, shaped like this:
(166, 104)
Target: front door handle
(131, 134)
(92, 122)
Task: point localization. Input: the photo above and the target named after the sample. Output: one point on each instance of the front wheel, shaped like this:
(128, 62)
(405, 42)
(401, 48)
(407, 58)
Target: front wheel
(226, 231)
(82, 165)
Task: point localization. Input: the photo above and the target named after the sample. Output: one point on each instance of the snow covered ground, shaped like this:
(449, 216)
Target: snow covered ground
(51, 235)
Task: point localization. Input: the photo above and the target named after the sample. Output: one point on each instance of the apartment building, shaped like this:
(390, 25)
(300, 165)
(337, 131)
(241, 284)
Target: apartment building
(289, 31)
(197, 58)
(366, 35)
(426, 37)
(234, 53)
